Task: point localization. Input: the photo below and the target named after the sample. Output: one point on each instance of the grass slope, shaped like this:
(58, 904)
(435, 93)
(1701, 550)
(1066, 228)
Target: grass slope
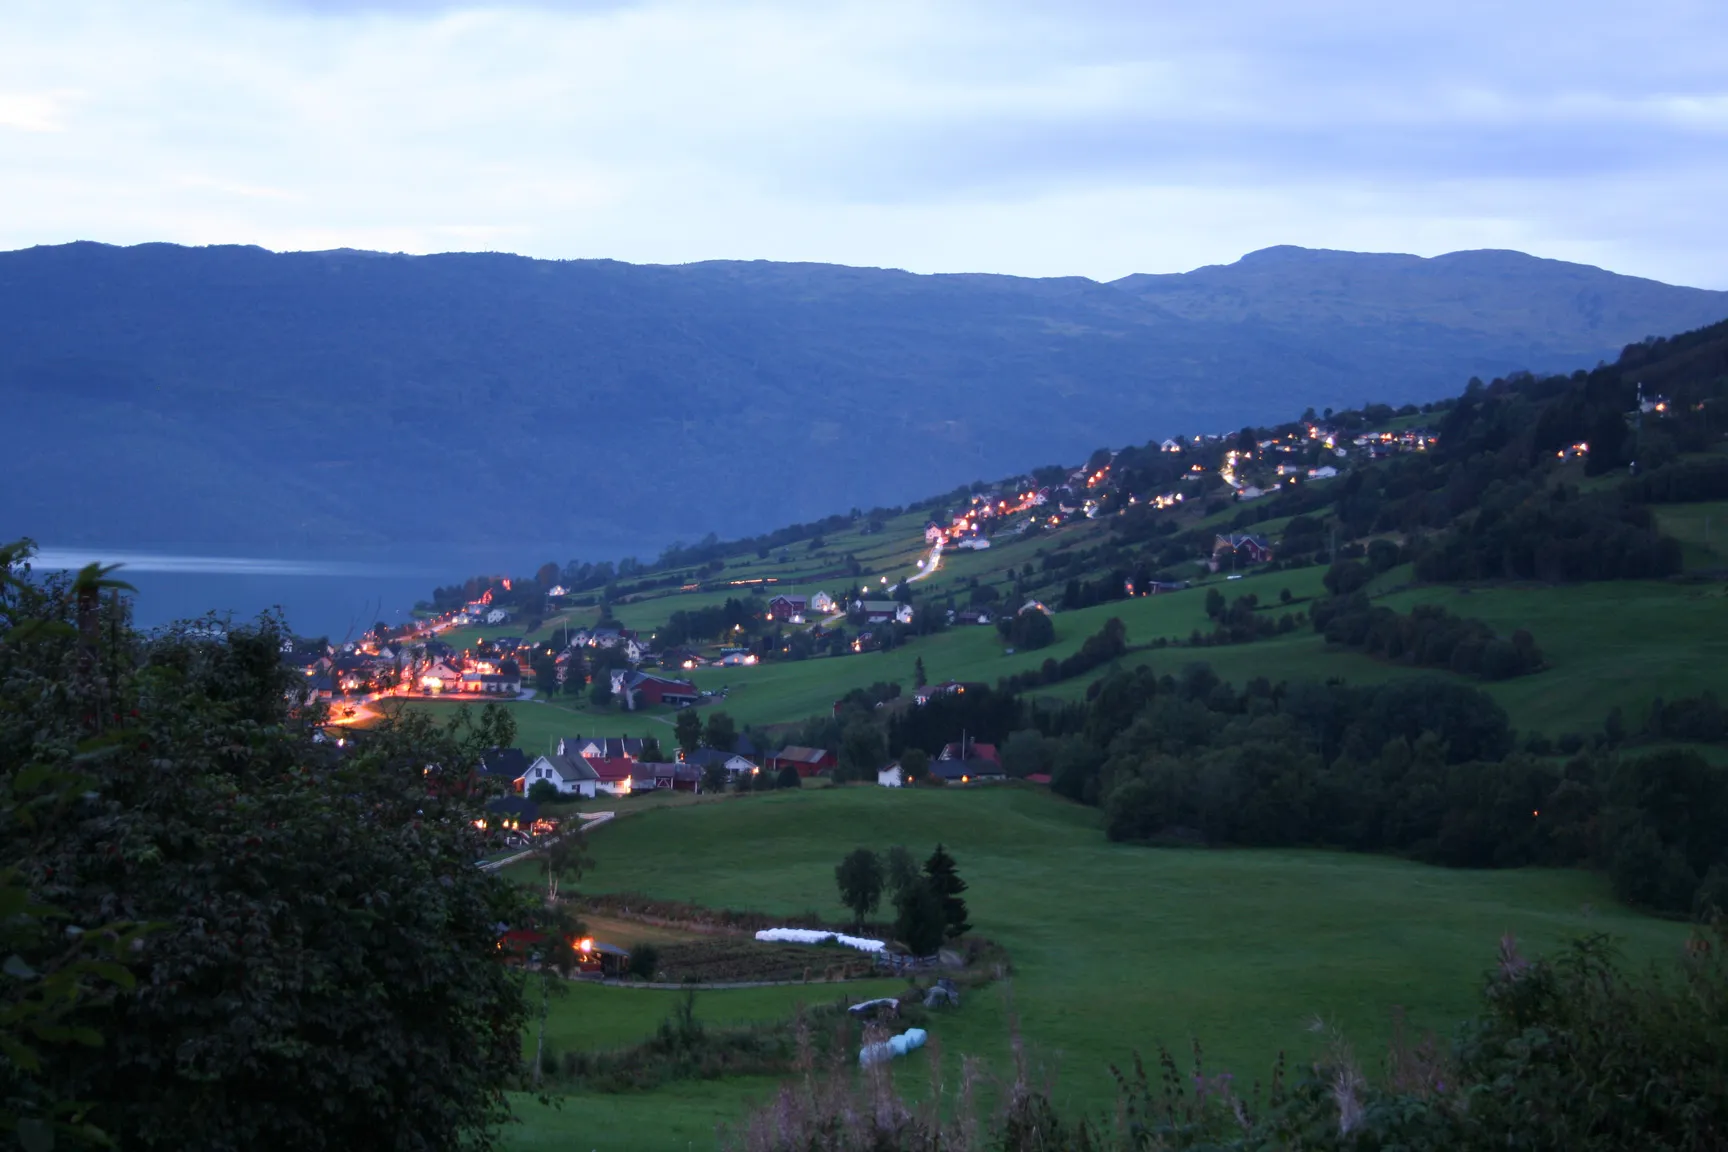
(1119, 948)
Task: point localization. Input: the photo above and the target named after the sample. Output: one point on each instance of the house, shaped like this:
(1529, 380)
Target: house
(641, 689)
(1242, 548)
(880, 611)
(891, 776)
(733, 764)
(972, 616)
(947, 688)
(1324, 472)
(514, 813)
(967, 771)
(321, 687)
(1040, 778)
(788, 609)
(439, 676)
(807, 761)
(824, 603)
(964, 749)
(497, 616)
(492, 683)
(507, 764)
(571, 775)
(612, 775)
(974, 543)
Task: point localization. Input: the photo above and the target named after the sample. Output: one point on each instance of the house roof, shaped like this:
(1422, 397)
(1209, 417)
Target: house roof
(881, 606)
(703, 757)
(955, 769)
(610, 770)
(517, 806)
(606, 747)
(799, 755)
(571, 769)
(790, 599)
(977, 751)
(506, 763)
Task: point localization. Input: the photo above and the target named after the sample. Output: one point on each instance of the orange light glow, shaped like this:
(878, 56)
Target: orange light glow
(584, 945)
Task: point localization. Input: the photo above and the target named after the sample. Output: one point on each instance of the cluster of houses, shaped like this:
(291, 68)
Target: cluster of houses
(586, 767)
(963, 761)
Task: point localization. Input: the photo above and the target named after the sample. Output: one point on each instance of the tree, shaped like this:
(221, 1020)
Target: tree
(600, 692)
(651, 752)
(918, 921)
(687, 729)
(944, 879)
(545, 673)
(862, 751)
(714, 778)
(859, 878)
(919, 679)
(323, 950)
(914, 765)
(720, 732)
(566, 858)
(543, 792)
(902, 870)
(788, 778)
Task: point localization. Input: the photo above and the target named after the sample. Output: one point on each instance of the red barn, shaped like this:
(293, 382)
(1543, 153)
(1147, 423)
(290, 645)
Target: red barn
(808, 761)
(787, 608)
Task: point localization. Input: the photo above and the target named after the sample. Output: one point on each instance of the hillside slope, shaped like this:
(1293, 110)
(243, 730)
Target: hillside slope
(323, 403)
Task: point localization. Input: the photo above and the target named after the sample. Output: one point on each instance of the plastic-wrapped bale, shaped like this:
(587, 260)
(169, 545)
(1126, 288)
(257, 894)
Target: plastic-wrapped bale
(874, 1054)
(908, 1041)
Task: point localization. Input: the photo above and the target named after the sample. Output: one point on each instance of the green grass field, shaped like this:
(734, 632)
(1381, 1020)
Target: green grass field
(1116, 948)
(540, 724)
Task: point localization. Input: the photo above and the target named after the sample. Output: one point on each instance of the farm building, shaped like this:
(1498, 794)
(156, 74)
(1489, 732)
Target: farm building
(1240, 547)
(807, 761)
(647, 777)
(641, 689)
(788, 609)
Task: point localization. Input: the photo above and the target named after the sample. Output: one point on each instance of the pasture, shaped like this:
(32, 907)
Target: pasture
(1115, 948)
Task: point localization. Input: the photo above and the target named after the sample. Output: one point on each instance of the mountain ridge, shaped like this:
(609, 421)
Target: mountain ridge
(323, 403)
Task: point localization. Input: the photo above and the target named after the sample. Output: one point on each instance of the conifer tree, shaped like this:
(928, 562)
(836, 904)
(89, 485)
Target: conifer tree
(944, 879)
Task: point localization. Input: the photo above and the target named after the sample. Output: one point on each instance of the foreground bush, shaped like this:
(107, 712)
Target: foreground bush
(1568, 1055)
(310, 957)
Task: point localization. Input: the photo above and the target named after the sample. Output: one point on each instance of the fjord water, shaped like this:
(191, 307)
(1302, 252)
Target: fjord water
(337, 599)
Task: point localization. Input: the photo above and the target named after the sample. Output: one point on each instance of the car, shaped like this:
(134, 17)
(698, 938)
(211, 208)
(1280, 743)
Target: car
(1236, 576)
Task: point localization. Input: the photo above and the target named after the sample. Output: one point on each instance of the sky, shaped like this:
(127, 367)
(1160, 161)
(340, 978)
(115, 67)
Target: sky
(1081, 137)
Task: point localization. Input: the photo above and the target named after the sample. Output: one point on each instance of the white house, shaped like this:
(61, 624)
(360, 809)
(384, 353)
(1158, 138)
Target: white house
(822, 602)
(1324, 472)
(571, 775)
(891, 776)
(976, 543)
(497, 616)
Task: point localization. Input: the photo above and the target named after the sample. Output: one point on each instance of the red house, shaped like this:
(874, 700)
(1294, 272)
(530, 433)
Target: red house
(787, 608)
(808, 761)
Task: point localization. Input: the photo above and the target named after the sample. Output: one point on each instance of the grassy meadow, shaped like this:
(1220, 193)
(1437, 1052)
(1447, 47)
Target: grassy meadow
(1116, 948)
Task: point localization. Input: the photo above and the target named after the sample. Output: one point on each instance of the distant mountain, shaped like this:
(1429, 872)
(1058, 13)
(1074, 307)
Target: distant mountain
(331, 403)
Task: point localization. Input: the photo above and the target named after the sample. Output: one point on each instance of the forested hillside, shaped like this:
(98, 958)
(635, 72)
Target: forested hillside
(326, 402)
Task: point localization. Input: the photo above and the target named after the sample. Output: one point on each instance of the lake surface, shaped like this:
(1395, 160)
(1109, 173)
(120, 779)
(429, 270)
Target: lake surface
(319, 598)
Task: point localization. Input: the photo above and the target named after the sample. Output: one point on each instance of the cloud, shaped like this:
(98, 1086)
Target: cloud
(1092, 137)
(35, 111)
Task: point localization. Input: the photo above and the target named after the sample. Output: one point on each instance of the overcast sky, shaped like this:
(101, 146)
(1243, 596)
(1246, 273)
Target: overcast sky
(1091, 137)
